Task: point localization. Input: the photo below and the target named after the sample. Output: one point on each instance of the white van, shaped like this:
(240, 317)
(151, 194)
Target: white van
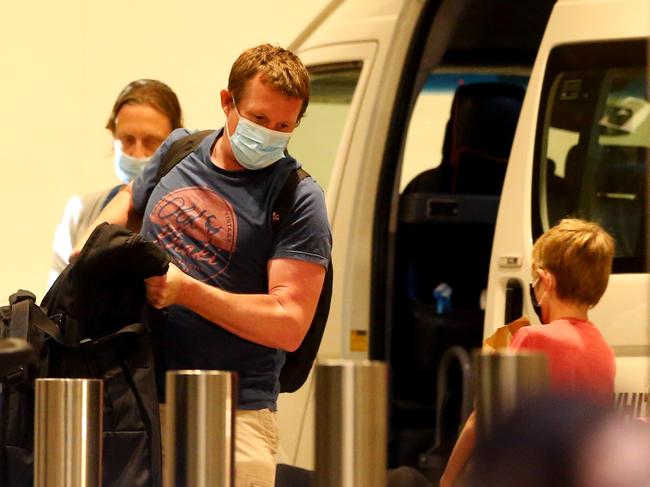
(412, 118)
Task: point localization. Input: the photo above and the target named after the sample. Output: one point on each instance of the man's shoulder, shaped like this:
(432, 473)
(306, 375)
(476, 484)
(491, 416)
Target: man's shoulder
(180, 134)
(308, 192)
(307, 184)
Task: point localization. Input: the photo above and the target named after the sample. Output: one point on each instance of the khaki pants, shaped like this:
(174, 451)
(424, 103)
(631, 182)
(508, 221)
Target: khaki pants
(256, 443)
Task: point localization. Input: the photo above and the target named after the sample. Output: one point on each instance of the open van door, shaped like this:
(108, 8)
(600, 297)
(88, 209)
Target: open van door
(366, 134)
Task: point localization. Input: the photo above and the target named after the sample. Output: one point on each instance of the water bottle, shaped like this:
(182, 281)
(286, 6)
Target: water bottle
(442, 295)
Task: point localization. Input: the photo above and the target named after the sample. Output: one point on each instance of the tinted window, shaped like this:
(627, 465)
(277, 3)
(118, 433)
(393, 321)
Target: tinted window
(593, 141)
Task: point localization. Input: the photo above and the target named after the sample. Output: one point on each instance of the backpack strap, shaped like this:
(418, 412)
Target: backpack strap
(19, 319)
(29, 312)
(111, 194)
(26, 312)
(283, 201)
(179, 150)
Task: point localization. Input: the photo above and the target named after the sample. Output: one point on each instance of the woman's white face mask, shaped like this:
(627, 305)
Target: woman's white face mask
(256, 147)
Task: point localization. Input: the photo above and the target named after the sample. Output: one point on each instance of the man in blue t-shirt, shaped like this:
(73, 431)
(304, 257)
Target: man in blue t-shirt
(239, 294)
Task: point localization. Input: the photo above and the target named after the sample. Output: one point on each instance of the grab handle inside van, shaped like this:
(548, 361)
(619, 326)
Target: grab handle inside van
(437, 207)
(449, 208)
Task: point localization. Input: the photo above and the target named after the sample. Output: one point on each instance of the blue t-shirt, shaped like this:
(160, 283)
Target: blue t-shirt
(216, 226)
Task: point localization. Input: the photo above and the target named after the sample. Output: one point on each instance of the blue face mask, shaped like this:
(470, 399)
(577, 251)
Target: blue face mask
(256, 147)
(127, 168)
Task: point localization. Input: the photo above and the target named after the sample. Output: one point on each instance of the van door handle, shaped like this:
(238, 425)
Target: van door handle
(514, 300)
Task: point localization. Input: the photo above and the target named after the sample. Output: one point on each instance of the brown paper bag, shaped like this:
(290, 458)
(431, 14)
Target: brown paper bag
(502, 337)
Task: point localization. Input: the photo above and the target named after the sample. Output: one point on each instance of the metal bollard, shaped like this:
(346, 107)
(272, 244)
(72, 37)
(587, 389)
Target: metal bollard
(200, 428)
(351, 423)
(503, 380)
(68, 433)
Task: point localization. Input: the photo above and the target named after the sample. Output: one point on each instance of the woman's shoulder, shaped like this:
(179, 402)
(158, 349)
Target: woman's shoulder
(541, 336)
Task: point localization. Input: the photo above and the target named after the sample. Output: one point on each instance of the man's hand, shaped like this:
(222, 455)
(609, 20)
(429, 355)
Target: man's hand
(163, 291)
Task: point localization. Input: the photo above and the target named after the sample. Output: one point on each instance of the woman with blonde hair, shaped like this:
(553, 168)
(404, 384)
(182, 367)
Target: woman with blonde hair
(571, 264)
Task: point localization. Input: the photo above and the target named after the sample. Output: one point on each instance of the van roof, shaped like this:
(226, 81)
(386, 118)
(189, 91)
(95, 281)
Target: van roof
(491, 32)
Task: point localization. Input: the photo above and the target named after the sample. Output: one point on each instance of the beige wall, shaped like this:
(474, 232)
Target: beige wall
(63, 64)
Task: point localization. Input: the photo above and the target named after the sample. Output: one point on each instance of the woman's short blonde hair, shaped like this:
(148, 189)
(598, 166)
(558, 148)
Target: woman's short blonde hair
(579, 254)
(278, 67)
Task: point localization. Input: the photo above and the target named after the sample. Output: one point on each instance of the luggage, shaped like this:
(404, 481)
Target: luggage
(93, 323)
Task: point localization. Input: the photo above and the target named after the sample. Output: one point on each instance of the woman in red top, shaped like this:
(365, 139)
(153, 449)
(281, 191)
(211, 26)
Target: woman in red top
(571, 264)
(571, 267)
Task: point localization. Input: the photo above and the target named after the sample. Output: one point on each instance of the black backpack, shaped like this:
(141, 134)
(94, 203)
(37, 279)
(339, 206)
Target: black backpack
(92, 323)
(299, 362)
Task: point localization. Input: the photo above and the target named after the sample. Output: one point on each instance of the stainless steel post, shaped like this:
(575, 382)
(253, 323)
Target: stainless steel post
(68, 433)
(200, 428)
(504, 379)
(351, 423)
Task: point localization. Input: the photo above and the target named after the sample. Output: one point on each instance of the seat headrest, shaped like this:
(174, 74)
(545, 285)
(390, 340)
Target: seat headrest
(477, 141)
(481, 128)
(483, 120)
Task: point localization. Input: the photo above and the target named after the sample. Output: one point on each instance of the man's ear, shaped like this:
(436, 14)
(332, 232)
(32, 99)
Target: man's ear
(226, 101)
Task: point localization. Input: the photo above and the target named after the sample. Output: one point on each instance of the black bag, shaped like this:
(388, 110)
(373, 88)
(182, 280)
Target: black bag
(299, 362)
(92, 324)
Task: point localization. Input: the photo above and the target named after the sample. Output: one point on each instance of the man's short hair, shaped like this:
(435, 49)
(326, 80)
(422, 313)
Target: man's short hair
(279, 68)
(150, 92)
(579, 254)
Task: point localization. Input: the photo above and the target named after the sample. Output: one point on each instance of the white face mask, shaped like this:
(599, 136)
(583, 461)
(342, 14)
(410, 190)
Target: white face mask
(256, 147)
(127, 168)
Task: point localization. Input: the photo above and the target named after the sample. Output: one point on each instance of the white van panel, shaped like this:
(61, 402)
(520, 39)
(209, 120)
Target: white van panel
(377, 34)
(351, 198)
(625, 313)
(358, 21)
(589, 20)
(296, 418)
(632, 375)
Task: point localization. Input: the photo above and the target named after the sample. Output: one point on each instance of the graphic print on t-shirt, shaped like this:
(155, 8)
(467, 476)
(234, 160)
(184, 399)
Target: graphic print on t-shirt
(198, 228)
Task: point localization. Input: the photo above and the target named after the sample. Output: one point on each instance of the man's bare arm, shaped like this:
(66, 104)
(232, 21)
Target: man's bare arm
(279, 319)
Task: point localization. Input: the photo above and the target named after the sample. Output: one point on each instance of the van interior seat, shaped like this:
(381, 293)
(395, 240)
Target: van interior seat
(445, 230)
(608, 185)
(620, 184)
(478, 137)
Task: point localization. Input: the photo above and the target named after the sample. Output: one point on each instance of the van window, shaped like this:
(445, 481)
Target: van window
(592, 144)
(317, 139)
